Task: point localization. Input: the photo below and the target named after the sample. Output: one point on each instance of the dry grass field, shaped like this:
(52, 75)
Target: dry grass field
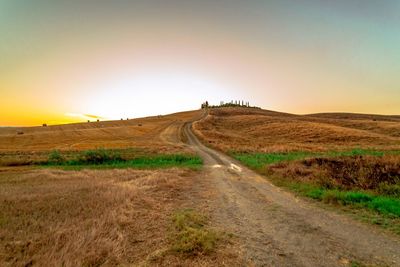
(256, 130)
(92, 217)
(150, 135)
(110, 217)
(142, 132)
(162, 215)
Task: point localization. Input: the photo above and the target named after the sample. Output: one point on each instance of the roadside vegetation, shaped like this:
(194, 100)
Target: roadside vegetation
(259, 160)
(104, 158)
(190, 233)
(367, 181)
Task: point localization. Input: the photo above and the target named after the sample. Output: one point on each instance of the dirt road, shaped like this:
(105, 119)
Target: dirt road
(278, 229)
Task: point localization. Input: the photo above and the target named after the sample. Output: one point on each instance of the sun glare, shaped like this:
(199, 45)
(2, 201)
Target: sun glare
(144, 94)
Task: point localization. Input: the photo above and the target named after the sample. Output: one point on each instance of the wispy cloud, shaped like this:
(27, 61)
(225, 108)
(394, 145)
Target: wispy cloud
(83, 116)
(92, 116)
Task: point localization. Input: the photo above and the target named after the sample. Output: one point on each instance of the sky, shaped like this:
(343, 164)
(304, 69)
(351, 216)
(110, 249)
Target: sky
(70, 61)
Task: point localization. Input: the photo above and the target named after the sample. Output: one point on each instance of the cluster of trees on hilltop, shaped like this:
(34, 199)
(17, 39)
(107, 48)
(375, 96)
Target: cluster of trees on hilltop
(232, 103)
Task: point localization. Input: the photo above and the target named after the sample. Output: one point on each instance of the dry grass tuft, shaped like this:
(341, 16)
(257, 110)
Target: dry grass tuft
(190, 234)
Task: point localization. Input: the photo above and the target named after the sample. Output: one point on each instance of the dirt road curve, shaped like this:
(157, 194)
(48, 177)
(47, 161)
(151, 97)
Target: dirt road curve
(277, 229)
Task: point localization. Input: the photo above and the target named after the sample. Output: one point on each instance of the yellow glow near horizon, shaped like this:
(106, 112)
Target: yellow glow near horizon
(160, 92)
(117, 59)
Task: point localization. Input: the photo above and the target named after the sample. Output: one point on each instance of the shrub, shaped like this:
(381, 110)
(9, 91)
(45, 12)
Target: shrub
(190, 233)
(315, 193)
(99, 156)
(389, 189)
(355, 169)
(334, 197)
(324, 181)
(360, 172)
(55, 157)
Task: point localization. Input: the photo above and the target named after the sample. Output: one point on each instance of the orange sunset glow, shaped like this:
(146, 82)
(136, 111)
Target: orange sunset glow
(61, 61)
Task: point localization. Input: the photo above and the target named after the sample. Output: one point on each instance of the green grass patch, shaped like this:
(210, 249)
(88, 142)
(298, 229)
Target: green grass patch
(382, 204)
(108, 159)
(356, 264)
(190, 234)
(259, 160)
(358, 152)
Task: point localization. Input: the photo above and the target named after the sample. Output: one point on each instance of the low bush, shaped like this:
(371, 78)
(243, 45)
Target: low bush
(315, 193)
(363, 172)
(55, 157)
(380, 174)
(190, 234)
(392, 190)
(99, 156)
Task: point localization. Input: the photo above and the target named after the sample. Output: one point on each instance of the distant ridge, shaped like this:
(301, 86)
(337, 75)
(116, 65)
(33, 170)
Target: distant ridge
(348, 115)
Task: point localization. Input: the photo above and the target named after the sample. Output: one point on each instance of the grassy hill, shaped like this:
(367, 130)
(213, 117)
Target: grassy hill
(256, 130)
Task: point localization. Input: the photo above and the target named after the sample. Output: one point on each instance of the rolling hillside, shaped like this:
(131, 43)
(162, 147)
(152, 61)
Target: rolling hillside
(247, 129)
